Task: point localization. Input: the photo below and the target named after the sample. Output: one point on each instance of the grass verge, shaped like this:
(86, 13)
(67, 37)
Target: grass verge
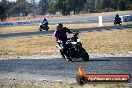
(102, 42)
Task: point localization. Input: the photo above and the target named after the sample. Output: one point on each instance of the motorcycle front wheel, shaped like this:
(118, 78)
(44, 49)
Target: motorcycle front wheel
(64, 56)
(84, 55)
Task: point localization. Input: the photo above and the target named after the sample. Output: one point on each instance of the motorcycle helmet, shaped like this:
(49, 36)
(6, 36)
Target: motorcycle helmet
(59, 25)
(117, 15)
(44, 19)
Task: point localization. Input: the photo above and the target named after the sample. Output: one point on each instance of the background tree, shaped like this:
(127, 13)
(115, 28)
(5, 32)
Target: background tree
(13, 11)
(22, 7)
(114, 4)
(66, 6)
(98, 5)
(89, 6)
(128, 5)
(121, 5)
(63, 6)
(52, 7)
(43, 7)
(59, 6)
(5, 5)
(78, 5)
(2, 13)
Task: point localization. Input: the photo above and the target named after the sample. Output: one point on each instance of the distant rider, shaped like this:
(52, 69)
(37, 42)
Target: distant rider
(45, 23)
(118, 19)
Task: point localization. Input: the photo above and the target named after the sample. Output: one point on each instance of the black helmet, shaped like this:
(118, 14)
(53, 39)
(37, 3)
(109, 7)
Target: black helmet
(44, 19)
(117, 15)
(59, 25)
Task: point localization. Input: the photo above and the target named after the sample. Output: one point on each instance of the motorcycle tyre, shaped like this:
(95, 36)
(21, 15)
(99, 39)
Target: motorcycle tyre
(64, 56)
(85, 55)
(40, 29)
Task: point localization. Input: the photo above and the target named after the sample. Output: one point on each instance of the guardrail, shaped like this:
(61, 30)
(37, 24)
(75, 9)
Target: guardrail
(19, 23)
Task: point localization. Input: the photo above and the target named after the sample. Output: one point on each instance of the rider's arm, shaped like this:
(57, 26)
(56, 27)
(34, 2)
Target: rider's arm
(56, 39)
(68, 30)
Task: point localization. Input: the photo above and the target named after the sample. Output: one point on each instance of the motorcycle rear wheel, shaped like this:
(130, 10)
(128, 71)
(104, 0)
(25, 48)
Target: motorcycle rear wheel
(115, 23)
(40, 29)
(47, 29)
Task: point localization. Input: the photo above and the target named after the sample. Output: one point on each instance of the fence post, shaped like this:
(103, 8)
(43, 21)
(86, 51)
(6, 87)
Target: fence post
(100, 21)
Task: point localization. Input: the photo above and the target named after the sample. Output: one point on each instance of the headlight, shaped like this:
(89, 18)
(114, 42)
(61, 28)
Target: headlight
(40, 24)
(73, 43)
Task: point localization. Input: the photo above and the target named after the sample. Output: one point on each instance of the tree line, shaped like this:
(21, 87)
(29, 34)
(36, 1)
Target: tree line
(24, 8)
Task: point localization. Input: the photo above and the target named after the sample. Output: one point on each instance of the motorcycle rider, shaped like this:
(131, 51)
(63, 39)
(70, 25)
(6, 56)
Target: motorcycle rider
(117, 19)
(60, 34)
(65, 45)
(45, 23)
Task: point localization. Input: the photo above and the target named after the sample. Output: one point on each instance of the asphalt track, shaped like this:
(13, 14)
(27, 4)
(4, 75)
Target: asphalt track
(50, 32)
(59, 69)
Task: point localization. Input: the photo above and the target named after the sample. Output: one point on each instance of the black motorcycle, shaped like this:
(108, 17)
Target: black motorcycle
(117, 21)
(73, 49)
(43, 26)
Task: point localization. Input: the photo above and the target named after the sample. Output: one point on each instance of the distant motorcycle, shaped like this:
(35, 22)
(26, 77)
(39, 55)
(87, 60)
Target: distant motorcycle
(73, 49)
(117, 21)
(43, 26)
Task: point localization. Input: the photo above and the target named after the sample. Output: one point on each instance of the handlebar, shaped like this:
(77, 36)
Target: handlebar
(76, 33)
